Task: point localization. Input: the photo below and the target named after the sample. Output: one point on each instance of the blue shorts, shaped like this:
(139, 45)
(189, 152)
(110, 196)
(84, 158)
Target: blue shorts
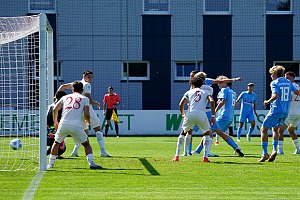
(244, 116)
(215, 126)
(273, 120)
(224, 124)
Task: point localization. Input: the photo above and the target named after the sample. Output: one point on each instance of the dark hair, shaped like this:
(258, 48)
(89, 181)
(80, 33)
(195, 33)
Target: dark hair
(195, 71)
(229, 84)
(87, 72)
(59, 95)
(196, 81)
(290, 73)
(77, 86)
(110, 88)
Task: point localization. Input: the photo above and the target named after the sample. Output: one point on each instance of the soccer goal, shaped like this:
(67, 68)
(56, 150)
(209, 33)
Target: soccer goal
(26, 83)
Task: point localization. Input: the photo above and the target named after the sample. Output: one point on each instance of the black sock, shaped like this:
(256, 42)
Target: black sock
(117, 129)
(106, 129)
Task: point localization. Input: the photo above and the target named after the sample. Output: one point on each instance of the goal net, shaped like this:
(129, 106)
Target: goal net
(26, 84)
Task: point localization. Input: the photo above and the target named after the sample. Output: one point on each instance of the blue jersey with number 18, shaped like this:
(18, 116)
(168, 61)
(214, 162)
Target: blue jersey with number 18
(283, 88)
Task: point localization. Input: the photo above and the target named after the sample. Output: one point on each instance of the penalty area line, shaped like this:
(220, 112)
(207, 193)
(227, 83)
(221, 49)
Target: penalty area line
(29, 193)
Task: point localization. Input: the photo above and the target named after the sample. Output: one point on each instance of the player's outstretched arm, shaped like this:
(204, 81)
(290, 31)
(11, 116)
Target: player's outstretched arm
(215, 81)
(66, 86)
(92, 102)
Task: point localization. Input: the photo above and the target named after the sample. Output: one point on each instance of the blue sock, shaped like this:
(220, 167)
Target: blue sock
(199, 148)
(189, 151)
(275, 145)
(250, 130)
(264, 146)
(239, 133)
(231, 143)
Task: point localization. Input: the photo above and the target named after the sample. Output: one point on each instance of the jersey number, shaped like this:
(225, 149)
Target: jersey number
(198, 96)
(233, 100)
(285, 93)
(73, 103)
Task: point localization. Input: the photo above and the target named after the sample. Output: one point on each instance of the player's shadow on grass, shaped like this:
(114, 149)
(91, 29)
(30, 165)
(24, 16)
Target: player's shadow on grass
(235, 156)
(149, 167)
(235, 163)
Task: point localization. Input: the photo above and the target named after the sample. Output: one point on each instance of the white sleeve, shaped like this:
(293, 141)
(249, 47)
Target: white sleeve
(87, 88)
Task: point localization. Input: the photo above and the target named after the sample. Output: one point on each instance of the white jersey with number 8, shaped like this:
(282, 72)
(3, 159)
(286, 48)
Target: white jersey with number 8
(73, 105)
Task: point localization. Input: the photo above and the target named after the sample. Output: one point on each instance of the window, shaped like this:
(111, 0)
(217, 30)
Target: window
(136, 71)
(293, 66)
(57, 71)
(279, 6)
(183, 70)
(217, 7)
(156, 7)
(42, 6)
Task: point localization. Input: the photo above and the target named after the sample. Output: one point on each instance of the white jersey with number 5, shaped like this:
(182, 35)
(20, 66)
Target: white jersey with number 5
(295, 101)
(197, 100)
(73, 105)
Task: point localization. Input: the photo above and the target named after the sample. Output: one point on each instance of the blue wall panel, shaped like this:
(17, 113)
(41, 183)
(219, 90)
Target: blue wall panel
(157, 50)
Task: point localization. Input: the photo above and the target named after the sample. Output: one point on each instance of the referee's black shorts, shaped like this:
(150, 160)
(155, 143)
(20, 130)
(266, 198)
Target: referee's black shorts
(109, 112)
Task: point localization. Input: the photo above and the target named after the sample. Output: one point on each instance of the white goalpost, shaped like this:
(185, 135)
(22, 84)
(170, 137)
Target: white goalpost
(26, 84)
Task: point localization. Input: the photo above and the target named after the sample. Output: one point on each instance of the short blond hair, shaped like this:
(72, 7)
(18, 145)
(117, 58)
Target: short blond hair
(278, 70)
(201, 75)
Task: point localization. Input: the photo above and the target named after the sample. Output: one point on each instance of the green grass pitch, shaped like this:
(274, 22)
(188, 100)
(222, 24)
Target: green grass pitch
(141, 168)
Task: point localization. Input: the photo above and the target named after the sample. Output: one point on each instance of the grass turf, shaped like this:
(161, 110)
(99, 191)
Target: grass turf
(141, 168)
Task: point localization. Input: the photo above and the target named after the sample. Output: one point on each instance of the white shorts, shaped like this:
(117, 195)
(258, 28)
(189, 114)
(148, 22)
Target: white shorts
(78, 134)
(200, 120)
(292, 119)
(95, 121)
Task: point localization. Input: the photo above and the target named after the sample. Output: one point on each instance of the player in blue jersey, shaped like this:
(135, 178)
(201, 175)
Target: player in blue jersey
(279, 108)
(293, 118)
(215, 127)
(225, 107)
(248, 105)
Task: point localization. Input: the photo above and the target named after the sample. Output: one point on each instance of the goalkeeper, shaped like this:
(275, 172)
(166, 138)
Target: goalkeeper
(110, 102)
(50, 126)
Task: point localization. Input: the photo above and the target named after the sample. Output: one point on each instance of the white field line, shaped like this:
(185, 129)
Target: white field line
(29, 193)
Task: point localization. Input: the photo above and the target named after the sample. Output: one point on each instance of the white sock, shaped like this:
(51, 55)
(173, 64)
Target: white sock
(52, 159)
(280, 146)
(100, 140)
(296, 144)
(217, 138)
(187, 143)
(75, 150)
(207, 145)
(179, 144)
(90, 158)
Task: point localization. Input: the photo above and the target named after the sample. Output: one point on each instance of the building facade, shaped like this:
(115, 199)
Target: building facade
(146, 49)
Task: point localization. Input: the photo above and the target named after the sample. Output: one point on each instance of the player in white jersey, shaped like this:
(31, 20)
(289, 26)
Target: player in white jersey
(293, 118)
(196, 115)
(208, 82)
(74, 106)
(95, 122)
